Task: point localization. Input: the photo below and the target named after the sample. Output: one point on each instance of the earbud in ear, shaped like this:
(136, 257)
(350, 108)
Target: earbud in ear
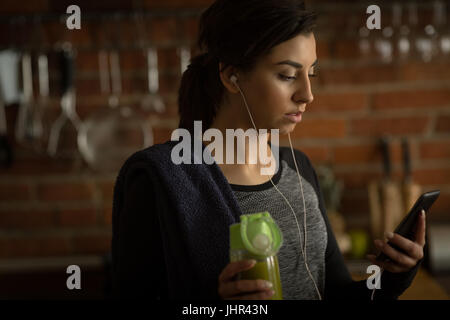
(233, 79)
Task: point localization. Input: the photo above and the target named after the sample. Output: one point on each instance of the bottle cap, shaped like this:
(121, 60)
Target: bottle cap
(257, 233)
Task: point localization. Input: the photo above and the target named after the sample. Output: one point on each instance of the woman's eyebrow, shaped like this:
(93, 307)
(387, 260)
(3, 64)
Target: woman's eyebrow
(295, 64)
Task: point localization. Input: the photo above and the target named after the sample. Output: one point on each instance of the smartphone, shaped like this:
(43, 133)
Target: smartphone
(406, 228)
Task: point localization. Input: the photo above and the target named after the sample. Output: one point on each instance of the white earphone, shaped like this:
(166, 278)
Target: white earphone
(233, 79)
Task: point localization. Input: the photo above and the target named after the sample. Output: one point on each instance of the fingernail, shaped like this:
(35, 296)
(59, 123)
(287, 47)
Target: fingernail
(388, 235)
(268, 284)
(251, 263)
(423, 213)
(269, 293)
(378, 243)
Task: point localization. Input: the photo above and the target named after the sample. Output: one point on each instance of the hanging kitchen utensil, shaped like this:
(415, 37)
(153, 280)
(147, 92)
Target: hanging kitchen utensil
(413, 26)
(443, 28)
(152, 101)
(68, 113)
(109, 136)
(9, 93)
(426, 38)
(384, 45)
(402, 32)
(9, 76)
(40, 113)
(24, 124)
(5, 146)
(41, 104)
(29, 127)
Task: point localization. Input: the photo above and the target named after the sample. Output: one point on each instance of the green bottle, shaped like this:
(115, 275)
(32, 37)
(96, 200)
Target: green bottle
(258, 237)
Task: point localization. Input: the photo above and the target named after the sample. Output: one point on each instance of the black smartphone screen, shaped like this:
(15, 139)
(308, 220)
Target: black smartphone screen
(406, 228)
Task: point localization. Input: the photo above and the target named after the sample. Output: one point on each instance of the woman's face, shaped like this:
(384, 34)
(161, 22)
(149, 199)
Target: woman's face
(280, 84)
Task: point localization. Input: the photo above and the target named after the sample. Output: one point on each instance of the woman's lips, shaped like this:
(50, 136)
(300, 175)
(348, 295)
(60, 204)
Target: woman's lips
(294, 117)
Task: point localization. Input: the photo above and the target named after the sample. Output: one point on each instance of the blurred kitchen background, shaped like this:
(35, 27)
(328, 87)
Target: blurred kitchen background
(78, 102)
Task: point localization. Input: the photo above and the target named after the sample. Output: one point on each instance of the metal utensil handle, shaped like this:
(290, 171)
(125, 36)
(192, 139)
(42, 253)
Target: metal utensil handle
(413, 19)
(54, 134)
(68, 103)
(67, 71)
(43, 76)
(27, 77)
(439, 13)
(104, 71)
(141, 32)
(115, 73)
(68, 112)
(24, 108)
(68, 100)
(152, 63)
(115, 79)
(37, 124)
(396, 14)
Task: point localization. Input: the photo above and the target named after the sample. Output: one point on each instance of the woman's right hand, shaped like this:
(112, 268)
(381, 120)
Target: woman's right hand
(230, 289)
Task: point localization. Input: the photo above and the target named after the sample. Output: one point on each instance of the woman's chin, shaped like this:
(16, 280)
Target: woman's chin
(287, 128)
(282, 127)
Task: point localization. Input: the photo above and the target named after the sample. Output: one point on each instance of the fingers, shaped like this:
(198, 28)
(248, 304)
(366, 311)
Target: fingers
(404, 260)
(387, 265)
(234, 288)
(229, 288)
(421, 229)
(234, 268)
(412, 249)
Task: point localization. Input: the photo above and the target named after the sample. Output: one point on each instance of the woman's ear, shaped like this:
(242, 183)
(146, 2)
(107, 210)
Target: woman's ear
(225, 77)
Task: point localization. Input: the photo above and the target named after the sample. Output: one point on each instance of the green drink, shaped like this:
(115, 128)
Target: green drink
(258, 237)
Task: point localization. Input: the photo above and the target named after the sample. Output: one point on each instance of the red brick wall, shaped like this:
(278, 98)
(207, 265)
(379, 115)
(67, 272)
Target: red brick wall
(54, 207)
(357, 100)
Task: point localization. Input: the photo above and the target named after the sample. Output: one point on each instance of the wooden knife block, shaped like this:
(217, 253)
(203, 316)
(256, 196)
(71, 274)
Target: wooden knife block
(389, 202)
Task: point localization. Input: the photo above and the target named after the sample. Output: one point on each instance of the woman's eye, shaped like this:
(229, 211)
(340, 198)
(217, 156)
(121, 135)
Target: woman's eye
(286, 78)
(312, 75)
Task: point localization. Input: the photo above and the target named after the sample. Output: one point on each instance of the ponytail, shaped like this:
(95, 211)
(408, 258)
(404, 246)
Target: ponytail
(200, 92)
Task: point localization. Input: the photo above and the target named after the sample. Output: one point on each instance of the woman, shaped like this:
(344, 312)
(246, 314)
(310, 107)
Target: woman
(171, 221)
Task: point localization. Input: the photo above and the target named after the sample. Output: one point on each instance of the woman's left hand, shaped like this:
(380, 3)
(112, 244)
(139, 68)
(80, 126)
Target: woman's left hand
(399, 261)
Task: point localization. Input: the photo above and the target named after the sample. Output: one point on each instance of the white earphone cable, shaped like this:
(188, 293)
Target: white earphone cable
(376, 285)
(302, 247)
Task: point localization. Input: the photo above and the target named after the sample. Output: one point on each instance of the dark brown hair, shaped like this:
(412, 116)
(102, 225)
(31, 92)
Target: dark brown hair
(236, 33)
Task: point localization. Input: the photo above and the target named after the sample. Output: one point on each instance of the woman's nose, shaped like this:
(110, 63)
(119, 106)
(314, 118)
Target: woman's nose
(304, 92)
